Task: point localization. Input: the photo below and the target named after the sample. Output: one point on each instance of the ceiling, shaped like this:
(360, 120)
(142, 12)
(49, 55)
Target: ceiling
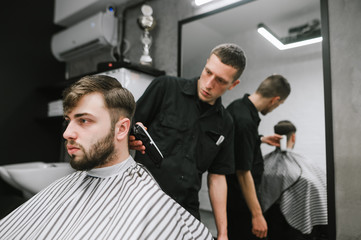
(242, 21)
(279, 15)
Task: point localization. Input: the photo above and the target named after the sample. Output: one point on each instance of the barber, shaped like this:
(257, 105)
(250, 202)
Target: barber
(194, 132)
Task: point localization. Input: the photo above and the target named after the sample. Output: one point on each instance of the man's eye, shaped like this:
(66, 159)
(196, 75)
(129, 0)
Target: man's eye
(221, 81)
(81, 120)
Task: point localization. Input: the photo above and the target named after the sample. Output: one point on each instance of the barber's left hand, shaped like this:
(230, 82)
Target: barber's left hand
(273, 140)
(259, 226)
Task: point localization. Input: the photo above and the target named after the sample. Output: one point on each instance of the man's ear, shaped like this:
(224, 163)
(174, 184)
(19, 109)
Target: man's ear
(276, 99)
(293, 137)
(122, 128)
(235, 83)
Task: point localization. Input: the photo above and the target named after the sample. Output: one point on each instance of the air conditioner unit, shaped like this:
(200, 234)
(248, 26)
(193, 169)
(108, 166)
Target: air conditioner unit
(69, 12)
(94, 33)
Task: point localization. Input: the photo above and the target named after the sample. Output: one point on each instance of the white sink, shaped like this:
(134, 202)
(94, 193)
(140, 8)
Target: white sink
(32, 177)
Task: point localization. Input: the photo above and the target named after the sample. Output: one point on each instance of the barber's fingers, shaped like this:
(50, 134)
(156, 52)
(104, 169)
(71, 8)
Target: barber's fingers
(259, 233)
(136, 144)
(259, 226)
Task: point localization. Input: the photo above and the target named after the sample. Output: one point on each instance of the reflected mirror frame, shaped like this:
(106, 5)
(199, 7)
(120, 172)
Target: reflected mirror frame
(327, 99)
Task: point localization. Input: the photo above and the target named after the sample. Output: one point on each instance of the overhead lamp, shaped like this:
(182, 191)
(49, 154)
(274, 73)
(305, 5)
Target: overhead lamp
(201, 2)
(289, 42)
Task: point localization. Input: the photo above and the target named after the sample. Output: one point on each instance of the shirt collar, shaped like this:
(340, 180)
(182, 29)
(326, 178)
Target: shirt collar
(190, 88)
(252, 108)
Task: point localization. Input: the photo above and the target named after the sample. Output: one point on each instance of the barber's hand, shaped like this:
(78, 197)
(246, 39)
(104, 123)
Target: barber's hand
(273, 140)
(259, 226)
(136, 144)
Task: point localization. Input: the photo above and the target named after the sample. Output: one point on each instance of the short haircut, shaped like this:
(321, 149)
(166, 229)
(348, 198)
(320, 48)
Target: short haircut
(273, 86)
(118, 100)
(231, 54)
(285, 127)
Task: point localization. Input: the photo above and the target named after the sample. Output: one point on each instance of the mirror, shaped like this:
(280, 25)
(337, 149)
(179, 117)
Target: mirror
(302, 66)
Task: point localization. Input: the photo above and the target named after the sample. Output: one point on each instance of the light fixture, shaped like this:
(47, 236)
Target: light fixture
(301, 38)
(201, 2)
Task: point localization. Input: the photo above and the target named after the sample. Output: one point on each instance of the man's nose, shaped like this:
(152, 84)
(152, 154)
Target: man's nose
(210, 82)
(69, 132)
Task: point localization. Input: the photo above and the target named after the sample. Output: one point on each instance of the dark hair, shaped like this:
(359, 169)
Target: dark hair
(118, 100)
(273, 86)
(232, 55)
(285, 127)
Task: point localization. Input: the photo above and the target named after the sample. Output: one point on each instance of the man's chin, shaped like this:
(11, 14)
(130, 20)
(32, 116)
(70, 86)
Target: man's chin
(207, 100)
(79, 164)
(265, 112)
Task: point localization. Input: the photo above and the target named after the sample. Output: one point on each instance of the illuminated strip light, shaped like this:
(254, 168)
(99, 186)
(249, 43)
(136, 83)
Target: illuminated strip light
(267, 34)
(201, 2)
(272, 39)
(302, 43)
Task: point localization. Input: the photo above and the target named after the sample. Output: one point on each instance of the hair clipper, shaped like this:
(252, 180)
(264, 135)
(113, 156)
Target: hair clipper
(150, 147)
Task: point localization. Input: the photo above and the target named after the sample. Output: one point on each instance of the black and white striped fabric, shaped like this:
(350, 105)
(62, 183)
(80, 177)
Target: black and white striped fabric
(118, 202)
(298, 185)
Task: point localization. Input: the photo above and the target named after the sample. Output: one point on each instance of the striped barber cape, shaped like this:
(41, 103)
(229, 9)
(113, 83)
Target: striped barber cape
(298, 185)
(118, 202)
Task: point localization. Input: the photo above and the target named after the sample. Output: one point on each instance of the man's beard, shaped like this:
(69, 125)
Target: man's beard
(99, 153)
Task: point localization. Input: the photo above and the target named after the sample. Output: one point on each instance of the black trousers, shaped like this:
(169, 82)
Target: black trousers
(240, 225)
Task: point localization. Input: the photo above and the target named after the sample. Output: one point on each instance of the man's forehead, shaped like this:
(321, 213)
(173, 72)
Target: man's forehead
(88, 105)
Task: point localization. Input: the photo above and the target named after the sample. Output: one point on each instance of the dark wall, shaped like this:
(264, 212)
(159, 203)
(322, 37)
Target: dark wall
(26, 65)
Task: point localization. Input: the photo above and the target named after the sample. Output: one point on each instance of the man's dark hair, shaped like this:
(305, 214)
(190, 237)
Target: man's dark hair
(231, 54)
(118, 100)
(285, 127)
(273, 86)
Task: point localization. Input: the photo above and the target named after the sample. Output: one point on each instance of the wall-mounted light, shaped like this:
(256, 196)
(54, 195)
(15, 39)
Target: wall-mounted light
(201, 2)
(289, 42)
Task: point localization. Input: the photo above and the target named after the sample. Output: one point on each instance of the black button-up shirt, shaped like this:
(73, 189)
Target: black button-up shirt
(193, 138)
(247, 151)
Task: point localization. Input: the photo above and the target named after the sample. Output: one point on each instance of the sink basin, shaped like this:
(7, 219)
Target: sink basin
(32, 177)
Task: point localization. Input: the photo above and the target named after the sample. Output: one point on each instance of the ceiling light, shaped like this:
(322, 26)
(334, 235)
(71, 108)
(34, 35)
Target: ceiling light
(201, 2)
(289, 42)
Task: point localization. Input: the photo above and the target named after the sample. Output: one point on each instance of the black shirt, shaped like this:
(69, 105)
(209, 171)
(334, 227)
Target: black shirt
(186, 131)
(247, 151)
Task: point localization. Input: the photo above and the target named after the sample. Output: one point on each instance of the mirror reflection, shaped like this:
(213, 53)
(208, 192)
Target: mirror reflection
(302, 66)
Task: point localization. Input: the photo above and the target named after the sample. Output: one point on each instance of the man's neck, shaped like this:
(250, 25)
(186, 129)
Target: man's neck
(115, 158)
(258, 101)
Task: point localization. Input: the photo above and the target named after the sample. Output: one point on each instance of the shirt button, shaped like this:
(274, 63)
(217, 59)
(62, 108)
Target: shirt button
(181, 177)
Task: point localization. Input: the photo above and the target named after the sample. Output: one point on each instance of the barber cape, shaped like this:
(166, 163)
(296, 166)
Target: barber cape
(117, 202)
(298, 186)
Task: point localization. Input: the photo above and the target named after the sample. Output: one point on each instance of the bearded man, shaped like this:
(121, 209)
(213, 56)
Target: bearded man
(110, 196)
